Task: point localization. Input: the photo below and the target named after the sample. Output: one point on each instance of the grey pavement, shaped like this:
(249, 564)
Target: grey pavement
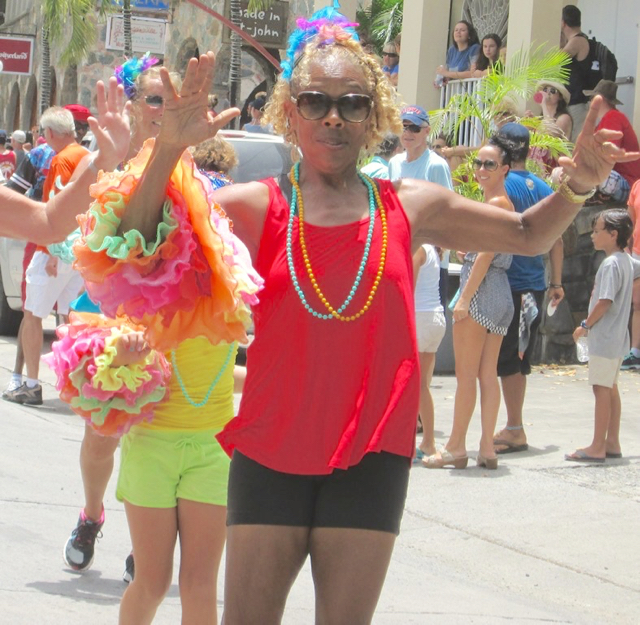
(540, 540)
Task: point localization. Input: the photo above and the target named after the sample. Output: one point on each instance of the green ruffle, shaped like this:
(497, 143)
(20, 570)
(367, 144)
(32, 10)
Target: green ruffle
(104, 235)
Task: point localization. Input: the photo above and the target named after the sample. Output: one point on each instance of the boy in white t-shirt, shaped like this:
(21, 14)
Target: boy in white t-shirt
(606, 327)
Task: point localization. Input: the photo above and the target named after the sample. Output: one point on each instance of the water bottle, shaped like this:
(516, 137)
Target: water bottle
(582, 349)
(439, 81)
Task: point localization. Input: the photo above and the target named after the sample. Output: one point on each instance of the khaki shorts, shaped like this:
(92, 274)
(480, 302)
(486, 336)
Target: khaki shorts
(158, 467)
(430, 329)
(604, 371)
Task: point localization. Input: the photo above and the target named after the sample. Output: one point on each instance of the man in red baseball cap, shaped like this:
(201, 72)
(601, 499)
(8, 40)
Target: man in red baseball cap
(80, 116)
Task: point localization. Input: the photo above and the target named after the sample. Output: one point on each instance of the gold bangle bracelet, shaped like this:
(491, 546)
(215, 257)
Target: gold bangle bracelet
(570, 195)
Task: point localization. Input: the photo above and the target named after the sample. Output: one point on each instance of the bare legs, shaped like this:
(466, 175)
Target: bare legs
(153, 533)
(606, 430)
(514, 388)
(476, 354)
(349, 567)
(427, 364)
(96, 466)
(31, 329)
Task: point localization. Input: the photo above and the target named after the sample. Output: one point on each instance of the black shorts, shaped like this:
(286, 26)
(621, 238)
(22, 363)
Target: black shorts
(509, 361)
(369, 495)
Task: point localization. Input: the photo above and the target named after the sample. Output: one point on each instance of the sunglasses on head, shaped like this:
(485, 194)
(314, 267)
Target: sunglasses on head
(154, 100)
(550, 90)
(315, 105)
(489, 165)
(413, 128)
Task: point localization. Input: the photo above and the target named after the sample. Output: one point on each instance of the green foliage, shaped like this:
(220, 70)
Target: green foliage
(504, 89)
(380, 22)
(72, 22)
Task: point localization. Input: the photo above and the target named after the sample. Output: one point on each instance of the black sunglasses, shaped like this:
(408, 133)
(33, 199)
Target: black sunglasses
(413, 128)
(154, 100)
(551, 90)
(389, 54)
(489, 164)
(315, 105)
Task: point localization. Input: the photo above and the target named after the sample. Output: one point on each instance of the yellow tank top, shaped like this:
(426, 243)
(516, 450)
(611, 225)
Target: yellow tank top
(197, 364)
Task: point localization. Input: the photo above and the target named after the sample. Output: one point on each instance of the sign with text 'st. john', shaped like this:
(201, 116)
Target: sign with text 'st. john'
(268, 26)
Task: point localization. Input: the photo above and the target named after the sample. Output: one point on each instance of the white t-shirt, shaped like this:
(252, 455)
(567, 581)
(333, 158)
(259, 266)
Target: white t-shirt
(427, 294)
(609, 336)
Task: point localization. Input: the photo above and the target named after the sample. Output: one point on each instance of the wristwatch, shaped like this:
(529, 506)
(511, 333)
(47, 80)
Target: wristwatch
(583, 324)
(570, 195)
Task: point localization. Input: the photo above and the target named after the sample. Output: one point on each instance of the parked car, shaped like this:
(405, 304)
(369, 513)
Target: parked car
(259, 156)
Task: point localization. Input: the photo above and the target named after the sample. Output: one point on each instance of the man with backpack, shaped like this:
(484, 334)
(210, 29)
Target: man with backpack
(577, 47)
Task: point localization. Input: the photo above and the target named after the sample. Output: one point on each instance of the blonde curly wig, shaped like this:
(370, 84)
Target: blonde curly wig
(384, 116)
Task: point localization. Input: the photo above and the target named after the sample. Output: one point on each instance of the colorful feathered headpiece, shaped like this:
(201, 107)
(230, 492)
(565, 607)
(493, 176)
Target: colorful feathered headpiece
(131, 69)
(328, 24)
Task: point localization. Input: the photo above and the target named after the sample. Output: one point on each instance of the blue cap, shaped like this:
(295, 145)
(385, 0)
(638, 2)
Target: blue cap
(415, 114)
(514, 132)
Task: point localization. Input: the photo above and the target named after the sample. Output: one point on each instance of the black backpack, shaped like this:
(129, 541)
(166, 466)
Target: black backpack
(603, 63)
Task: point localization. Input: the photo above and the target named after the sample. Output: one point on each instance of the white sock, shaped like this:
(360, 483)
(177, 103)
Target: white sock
(16, 378)
(636, 352)
(31, 383)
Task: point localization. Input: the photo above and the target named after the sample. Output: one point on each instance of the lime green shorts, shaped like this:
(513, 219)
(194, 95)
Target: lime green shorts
(158, 467)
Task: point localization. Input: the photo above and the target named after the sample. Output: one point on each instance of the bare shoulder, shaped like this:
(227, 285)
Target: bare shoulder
(501, 201)
(246, 205)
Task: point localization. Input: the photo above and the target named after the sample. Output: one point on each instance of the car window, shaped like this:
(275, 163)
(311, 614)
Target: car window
(258, 159)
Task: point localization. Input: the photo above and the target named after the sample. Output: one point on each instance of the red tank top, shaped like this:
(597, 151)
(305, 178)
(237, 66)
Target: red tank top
(320, 394)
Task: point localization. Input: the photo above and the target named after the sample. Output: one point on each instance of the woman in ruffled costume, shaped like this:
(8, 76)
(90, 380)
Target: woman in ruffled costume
(188, 293)
(323, 442)
(141, 83)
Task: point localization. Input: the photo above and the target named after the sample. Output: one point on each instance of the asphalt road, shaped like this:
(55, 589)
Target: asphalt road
(540, 540)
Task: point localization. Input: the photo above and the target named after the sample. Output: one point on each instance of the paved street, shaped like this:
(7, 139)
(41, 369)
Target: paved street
(540, 540)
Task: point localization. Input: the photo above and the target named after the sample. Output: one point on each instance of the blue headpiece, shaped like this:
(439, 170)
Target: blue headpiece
(328, 24)
(130, 70)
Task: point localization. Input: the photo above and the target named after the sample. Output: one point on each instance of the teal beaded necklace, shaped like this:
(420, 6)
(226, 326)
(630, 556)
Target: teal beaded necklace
(183, 388)
(293, 210)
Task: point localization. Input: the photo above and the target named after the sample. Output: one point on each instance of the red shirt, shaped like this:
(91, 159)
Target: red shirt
(320, 394)
(7, 164)
(615, 120)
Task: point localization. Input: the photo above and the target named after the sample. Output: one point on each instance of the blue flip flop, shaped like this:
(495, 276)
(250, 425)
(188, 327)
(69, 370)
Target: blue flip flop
(581, 456)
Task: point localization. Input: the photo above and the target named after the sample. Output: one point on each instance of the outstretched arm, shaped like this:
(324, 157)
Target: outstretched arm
(452, 221)
(186, 121)
(22, 218)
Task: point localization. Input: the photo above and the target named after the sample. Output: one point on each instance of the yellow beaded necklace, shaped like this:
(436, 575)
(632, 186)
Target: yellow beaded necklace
(336, 314)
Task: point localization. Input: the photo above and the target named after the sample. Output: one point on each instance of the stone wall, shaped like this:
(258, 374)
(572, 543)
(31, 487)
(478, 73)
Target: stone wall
(580, 265)
(190, 30)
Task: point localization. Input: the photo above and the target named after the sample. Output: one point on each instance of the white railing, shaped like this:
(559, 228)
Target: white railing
(469, 134)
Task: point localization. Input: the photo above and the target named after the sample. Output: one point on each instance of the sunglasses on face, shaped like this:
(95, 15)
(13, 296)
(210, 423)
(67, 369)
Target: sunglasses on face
(550, 90)
(391, 54)
(314, 105)
(412, 128)
(489, 164)
(155, 101)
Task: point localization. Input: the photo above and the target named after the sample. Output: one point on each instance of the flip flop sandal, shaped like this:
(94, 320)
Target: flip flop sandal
(510, 448)
(581, 456)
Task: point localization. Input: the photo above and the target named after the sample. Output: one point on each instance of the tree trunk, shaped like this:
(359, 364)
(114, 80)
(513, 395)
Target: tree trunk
(126, 18)
(235, 63)
(45, 73)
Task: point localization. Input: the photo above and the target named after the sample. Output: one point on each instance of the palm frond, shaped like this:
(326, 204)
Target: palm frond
(260, 5)
(70, 21)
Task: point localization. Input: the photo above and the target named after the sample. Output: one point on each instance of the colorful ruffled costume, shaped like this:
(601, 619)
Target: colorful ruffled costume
(189, 291)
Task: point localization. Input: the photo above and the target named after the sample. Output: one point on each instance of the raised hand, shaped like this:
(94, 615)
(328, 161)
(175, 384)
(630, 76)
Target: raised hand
(111, 128)
(187, 119)
(594, 155)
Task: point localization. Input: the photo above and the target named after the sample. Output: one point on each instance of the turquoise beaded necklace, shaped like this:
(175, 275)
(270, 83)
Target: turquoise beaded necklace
(183, 388)
(293, 210)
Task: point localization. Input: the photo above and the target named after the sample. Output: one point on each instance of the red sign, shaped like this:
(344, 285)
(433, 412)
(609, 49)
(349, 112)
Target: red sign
(16, 54)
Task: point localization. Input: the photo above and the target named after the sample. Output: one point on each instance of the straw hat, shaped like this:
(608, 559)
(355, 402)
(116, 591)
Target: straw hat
(562, 90)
